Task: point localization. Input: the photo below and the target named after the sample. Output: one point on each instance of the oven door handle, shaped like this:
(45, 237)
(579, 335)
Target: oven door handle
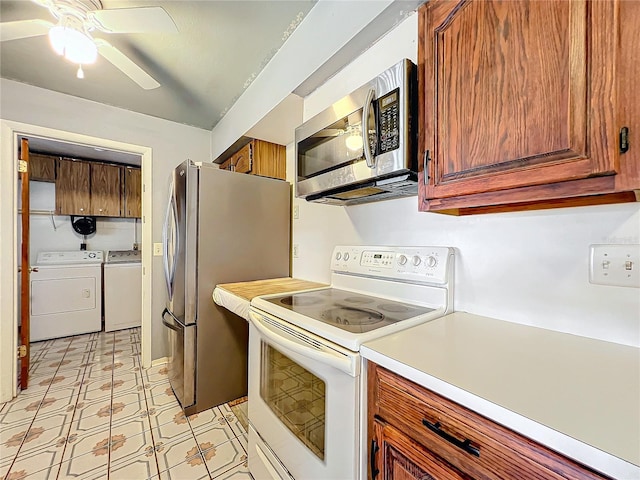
(329, 356)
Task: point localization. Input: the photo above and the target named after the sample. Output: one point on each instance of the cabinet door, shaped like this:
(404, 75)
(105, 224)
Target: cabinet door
(105, 190)
(72, 188)
(516, 94)
(269, 159)
(242, 160)
(398, 457)
(43, 167)
(133, 193)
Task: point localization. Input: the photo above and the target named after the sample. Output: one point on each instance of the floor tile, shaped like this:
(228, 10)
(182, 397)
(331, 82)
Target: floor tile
(126, 442)
(137, 466)
(222, 458)
(94, 442)
(84, 467)
(240, 472)
(157, 374)
(180, 449)
(170, 413)
(42, 465)
(193, 469)
(11, 438)
(160, 395)
(232, 420)
(21, 409)
(47, 433)
(58, 401)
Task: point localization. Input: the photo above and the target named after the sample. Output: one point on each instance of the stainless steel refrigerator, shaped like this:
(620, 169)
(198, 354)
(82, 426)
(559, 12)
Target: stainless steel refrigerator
(220, 227)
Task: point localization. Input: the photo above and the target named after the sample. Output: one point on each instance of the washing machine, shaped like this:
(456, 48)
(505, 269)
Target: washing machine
(66, 294)
(122, 289)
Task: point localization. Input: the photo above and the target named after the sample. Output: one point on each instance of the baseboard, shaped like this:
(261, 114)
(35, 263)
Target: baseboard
(159, 361)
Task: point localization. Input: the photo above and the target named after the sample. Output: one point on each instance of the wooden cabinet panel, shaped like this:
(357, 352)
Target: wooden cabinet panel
(399, 457)
(269, 160)
(105, 190)
(470, 443)
(132, 193)
(258, 158)
(519, 102)
(42, 167)
(73, 195)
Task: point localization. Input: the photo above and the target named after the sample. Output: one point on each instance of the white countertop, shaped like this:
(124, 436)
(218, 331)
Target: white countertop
(578, 396)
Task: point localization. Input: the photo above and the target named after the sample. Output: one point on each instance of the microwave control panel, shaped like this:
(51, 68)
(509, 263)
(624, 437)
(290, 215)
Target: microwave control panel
(388, 121)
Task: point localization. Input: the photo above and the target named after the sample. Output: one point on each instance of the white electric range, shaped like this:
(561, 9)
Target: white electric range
(306, 385)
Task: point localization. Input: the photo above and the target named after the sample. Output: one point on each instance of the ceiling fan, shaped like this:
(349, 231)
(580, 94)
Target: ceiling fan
(77, 20)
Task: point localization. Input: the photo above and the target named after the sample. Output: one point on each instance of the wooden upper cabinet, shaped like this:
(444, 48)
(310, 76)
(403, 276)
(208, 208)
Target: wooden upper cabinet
(42, 167)
(242, 160)
(517, 96)
(269, 159)
(258, 158)
(105, 190)
(132, 193)
(73, 194)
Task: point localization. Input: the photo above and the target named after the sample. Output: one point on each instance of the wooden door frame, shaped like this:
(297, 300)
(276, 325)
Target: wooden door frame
(9, 242)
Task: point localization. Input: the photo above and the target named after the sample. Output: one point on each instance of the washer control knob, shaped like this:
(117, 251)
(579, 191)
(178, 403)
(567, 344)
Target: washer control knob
(346, 256)
(338, 256)
(416, 260)
(92, 255)
(402, 260)
(432, 261)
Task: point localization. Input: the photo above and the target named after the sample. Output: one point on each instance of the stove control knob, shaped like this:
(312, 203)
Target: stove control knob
(346, 256)
(431, 261)
(402, 260)
(416, 260)
(338, 256)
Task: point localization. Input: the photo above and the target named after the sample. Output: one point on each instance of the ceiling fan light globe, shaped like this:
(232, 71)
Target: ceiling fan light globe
(73, 44)
(58, 39)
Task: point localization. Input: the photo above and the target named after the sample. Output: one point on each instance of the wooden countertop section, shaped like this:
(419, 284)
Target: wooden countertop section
(248, 290)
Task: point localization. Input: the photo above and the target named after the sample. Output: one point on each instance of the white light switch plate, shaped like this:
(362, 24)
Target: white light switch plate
(157, 249)
(617, 265)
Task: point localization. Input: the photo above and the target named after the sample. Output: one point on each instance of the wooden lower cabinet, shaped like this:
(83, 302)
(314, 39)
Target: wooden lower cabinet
(415, 433)
(402, 458)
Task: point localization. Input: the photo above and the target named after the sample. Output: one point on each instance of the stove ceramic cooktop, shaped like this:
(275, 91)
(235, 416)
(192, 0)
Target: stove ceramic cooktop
(349, 311)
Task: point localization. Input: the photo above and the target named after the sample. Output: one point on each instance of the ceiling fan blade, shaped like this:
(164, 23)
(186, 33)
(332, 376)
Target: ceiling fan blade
(23, 29)
(134, 20)
(128, 66)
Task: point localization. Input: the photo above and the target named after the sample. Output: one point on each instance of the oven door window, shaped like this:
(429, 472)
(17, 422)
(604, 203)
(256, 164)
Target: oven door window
(296, 396)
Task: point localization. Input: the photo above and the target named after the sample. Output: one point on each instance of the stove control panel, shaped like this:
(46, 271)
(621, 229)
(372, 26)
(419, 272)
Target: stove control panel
(412, 264)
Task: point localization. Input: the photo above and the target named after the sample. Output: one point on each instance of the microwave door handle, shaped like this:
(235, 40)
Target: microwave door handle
(328, 357)
(366, 108)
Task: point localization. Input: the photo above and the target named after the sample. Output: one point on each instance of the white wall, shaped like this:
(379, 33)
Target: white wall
(530, 268)
(171, 143)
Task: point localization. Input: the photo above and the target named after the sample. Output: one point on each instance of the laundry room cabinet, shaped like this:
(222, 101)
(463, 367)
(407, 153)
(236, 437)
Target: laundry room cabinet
(84, 188)
(42, 168)
(132, 193)
(527, 104)
(73, 188)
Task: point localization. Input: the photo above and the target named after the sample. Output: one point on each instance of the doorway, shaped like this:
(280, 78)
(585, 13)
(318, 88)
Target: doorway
(11, 133)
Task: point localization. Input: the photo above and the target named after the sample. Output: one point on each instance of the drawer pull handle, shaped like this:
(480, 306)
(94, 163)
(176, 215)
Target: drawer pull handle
(462, 444)
(374, 450)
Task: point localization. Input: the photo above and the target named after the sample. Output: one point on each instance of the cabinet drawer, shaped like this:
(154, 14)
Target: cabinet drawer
(468, 441)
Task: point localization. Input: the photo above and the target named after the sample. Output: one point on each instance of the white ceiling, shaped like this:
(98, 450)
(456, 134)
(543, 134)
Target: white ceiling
(219, 50)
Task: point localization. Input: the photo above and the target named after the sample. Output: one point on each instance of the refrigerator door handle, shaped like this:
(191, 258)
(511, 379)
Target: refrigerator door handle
(167, 235)
(169, 325)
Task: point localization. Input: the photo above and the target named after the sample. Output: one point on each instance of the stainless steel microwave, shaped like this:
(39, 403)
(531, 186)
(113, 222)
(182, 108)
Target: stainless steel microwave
(363, 148)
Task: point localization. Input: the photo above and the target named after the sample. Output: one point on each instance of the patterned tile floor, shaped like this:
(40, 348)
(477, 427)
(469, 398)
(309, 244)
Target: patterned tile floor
(92, 412)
